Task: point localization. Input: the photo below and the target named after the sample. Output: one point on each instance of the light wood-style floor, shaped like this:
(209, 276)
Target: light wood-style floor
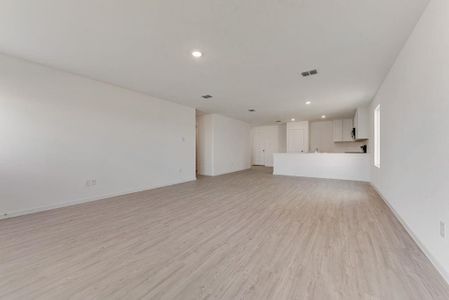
(247, 235)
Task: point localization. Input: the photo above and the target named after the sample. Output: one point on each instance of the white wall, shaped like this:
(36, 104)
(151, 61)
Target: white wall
(322, 137)
(224, 145)
(414, 100)
(205, 145)
(282, 138)
(58, 130)
(275, 141)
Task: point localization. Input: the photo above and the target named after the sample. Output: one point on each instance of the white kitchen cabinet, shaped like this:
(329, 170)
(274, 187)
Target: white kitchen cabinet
(347, 130)
(298, 137)
(343, 130)
(338, 130)
(361, 123)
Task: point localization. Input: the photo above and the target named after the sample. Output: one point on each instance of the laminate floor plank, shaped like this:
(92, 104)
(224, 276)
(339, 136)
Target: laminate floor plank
(246, 235)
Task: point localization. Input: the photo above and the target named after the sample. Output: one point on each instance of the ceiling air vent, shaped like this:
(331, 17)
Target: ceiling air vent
(309, 73)
(206, 96)
(251, 110)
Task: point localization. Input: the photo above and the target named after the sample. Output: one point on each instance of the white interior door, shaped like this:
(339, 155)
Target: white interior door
(259, 149)
(296, 140)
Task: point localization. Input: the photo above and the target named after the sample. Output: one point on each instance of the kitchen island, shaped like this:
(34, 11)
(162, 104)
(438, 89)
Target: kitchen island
(345, 166)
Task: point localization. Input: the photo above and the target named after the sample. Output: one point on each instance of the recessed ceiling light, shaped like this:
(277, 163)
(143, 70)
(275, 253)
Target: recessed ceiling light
(323, 117)
(197, 54)
(293, 119)
(308, 102)
(251, 110)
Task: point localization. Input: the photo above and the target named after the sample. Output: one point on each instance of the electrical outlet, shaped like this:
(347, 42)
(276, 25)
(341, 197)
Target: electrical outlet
(442, 229)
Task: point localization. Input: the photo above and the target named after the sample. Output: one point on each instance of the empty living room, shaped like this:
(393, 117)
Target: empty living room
(240, 149)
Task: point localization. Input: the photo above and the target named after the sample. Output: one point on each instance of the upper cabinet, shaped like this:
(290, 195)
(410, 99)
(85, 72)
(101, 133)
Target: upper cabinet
(298, 137)
(338, 130)
(347, 130)
(343, 130)
(361, 123)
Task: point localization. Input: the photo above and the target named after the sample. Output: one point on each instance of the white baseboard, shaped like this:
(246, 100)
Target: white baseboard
(231, 171)
(85, 200)
(423, 248)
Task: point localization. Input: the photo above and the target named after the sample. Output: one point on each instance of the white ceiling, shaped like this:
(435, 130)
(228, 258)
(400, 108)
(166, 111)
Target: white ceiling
(254, 50)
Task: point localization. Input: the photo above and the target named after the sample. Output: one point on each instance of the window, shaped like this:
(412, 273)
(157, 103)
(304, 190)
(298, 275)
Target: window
(377, 136)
